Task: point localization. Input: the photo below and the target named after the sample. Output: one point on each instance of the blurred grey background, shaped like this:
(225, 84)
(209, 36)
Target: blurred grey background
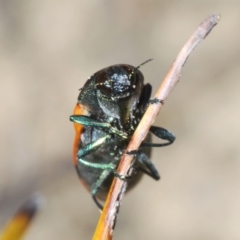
(47, 51)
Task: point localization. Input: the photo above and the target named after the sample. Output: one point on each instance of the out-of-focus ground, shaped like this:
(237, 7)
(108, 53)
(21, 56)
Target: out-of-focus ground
(47, 51)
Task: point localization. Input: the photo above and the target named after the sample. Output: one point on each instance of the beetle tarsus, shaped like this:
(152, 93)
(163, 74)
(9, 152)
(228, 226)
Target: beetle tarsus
(99, 205)
(122, 177)
(147, 166)
(155, 100)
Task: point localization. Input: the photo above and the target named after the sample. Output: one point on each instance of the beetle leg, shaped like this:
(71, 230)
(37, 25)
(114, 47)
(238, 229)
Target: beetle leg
(145, 95)
(97, 185)
(107, 169)
(90, 122)
(148, 167)
(91, 147)
(105, 173)
(160, 133)
(163, 134)
(105, 166)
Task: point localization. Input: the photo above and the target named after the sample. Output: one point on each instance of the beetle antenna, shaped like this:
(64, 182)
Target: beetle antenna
(135, 69)
(149, 60)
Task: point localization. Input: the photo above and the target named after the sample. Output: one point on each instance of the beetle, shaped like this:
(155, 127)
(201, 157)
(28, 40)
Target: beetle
(109, 107)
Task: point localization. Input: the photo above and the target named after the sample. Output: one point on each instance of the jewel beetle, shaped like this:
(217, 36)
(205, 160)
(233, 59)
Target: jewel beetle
(109, 107)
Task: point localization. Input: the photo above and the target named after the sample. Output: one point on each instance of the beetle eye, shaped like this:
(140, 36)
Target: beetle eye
(116, 81)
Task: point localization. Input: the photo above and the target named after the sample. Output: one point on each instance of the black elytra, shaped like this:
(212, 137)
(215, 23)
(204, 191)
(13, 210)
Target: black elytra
(110, 106)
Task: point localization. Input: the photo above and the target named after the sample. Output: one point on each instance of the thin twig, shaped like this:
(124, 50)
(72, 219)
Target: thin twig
(108, 217)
